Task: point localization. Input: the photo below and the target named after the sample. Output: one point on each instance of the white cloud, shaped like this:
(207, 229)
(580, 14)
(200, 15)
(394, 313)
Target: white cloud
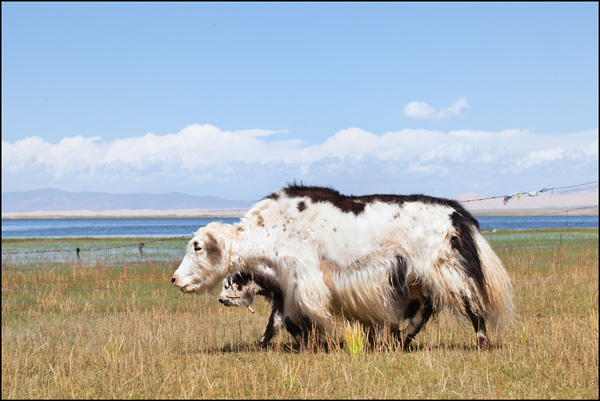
(203, 159)
(199, 145)
(423, 111)
(538, 157)
(69, 155)
(258, 132)
(351, 142)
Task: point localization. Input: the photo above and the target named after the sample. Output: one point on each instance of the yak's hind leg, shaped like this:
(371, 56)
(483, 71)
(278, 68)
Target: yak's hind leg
(418, 310)
(479, 325)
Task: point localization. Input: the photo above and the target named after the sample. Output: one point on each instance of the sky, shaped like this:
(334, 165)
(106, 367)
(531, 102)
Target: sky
(238, 99)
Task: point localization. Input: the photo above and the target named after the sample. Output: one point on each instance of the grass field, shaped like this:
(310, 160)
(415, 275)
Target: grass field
(110, 325)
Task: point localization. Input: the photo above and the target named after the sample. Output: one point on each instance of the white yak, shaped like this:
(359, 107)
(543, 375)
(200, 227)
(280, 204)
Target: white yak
(376, 259)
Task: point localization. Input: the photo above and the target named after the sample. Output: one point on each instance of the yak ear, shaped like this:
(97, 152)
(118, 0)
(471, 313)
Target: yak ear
(210, 242)
(212, 246)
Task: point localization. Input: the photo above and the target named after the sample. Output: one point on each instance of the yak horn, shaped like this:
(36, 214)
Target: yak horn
(250, 309)
(232, 296)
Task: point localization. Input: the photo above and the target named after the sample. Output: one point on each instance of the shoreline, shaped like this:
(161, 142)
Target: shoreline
(158, 216)
(136, 214)
(127, 214)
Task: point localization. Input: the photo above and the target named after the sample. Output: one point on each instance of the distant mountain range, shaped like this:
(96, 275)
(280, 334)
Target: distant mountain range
(57, 203)
(55, 200)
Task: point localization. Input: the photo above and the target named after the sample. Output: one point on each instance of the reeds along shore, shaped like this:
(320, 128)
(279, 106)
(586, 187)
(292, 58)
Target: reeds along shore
(110, 325)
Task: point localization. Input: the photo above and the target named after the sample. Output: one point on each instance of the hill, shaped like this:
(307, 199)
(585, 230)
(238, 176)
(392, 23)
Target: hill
(57, 202)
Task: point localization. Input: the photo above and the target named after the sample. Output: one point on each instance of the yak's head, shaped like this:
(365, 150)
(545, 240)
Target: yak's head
(205, 261)
(239, 289)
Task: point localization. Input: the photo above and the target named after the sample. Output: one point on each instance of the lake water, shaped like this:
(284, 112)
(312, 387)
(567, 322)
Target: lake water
(171, 227)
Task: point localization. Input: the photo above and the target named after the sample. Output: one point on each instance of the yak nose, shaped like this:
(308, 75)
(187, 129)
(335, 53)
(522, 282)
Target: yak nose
(173, 280)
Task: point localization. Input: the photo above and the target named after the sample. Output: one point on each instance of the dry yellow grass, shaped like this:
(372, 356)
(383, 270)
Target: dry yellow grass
(118, 329)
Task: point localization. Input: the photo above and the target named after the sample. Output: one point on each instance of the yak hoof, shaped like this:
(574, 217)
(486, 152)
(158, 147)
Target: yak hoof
(483, 343)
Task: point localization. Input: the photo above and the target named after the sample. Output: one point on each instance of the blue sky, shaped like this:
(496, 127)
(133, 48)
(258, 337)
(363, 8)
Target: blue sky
(237, 99)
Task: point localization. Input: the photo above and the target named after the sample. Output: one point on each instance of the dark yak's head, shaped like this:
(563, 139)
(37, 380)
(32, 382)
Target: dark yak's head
(239, 289)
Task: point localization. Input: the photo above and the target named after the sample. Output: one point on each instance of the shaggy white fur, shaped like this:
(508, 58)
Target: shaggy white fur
(379, 259)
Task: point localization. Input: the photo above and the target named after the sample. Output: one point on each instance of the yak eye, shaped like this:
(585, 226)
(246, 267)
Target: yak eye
(197, 247)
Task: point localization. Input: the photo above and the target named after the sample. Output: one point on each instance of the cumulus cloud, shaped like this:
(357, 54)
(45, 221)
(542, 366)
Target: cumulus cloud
(423, 111)
(203, 159)
(538, 157)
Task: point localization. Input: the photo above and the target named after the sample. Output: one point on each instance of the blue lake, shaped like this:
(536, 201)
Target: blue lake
(105, 227)
(167, 227)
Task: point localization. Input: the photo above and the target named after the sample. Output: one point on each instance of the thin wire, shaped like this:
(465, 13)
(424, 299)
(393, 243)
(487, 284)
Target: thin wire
(526, 192)
(97, 249)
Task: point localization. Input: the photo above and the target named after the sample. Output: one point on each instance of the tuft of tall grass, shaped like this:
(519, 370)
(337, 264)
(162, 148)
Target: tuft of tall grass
(354, 338)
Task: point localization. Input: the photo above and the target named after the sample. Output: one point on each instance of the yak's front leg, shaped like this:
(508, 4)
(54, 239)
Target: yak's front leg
(300, 333)
(418, 311)
(274, 325)
(307, 301)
